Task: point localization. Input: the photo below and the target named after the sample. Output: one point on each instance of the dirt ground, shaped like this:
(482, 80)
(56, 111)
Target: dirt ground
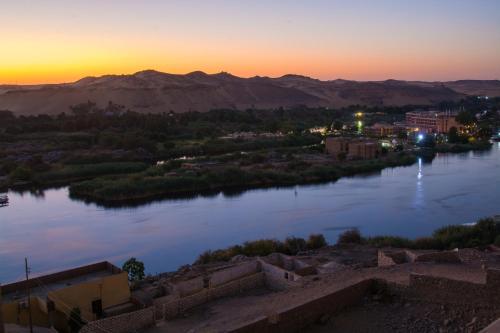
(212, 317)
(399, 316)
(226, 313)
(372, 316)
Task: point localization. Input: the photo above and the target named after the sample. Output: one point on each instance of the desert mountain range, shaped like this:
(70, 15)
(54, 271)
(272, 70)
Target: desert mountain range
(152, 91)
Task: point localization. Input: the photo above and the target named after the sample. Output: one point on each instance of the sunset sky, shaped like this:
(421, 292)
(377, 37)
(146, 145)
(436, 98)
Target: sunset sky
(46, 41)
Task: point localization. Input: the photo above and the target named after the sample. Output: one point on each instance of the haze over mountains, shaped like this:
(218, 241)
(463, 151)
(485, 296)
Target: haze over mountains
(152, 91)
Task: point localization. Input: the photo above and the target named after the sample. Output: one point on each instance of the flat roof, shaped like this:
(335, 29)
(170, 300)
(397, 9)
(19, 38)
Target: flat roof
(40, 286)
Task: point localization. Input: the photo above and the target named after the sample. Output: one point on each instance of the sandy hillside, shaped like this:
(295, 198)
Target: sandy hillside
(152, 91)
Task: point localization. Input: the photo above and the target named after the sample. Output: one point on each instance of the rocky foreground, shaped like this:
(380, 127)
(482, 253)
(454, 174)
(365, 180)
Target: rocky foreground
(410, 291)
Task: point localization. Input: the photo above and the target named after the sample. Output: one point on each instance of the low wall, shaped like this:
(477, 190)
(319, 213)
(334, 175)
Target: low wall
(395, 257)
(189, 287)
(442, 257)
(278, 278)
(215, 279)
(176, 307)
(232, 273)
(384, 260)
(125, 323)
(297, 317)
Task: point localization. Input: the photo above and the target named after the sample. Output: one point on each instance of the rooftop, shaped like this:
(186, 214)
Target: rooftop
(42, 285)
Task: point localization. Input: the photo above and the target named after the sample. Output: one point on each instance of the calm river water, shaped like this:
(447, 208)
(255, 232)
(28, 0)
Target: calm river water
(55, 232)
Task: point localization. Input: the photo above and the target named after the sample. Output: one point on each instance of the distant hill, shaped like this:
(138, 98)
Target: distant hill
(152, 91)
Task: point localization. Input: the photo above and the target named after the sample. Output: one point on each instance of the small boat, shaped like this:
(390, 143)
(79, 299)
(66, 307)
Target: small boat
(4, 200)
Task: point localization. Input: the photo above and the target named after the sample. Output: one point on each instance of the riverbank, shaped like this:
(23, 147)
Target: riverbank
(462, 147)
(406, 201)
(202, 177)
(242, 172)
(483, 233)
(116, 183)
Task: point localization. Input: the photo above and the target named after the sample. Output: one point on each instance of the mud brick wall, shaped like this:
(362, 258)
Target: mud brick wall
(295, 318)
(125, 323)
(278, 278)
(390, 258)
(189, 287)
(229, 274)
(176, 307)
(443, 256)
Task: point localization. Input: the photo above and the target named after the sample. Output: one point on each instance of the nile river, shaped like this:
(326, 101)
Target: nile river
(56, 232)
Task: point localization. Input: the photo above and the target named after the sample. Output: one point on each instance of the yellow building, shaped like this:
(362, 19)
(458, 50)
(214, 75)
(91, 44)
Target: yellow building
(95, 290)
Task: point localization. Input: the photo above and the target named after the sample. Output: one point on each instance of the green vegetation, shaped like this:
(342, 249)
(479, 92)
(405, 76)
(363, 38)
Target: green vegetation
(316, 241)
(109, 154)
(485, 232)
(84, 171)
(264, 247)
(134, 268)
(156, 181)
(352, 236)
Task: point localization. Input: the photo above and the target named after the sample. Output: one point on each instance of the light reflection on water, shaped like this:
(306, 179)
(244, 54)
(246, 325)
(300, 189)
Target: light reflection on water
(56, 232)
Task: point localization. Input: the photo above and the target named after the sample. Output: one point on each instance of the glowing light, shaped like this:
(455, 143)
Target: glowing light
(419, 174)
(359, 114)
(420, 137)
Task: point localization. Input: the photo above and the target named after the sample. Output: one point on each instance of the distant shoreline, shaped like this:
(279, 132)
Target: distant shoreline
(88, 191)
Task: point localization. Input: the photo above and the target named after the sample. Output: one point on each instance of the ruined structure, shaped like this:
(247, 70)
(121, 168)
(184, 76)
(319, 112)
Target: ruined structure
(352, 148)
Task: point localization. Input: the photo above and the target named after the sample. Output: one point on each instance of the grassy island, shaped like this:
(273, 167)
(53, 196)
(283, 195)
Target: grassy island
(197, 177)
(110, 155)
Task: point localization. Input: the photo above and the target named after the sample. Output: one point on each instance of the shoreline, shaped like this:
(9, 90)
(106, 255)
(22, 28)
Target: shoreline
(333, 173)
(91, 193)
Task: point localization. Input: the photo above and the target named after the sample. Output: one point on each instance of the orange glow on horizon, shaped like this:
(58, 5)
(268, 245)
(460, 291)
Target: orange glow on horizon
(50, 69)
(54, 41)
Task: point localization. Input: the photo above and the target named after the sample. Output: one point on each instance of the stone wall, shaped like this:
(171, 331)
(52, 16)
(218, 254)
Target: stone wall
(188, 287)
(383, 259)
(217, 278)
(295, 318)
(176, 307)
(441, 257)
(232, 273)
(125, 323)
(278, 278)
(390, 257)
(421, 288)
